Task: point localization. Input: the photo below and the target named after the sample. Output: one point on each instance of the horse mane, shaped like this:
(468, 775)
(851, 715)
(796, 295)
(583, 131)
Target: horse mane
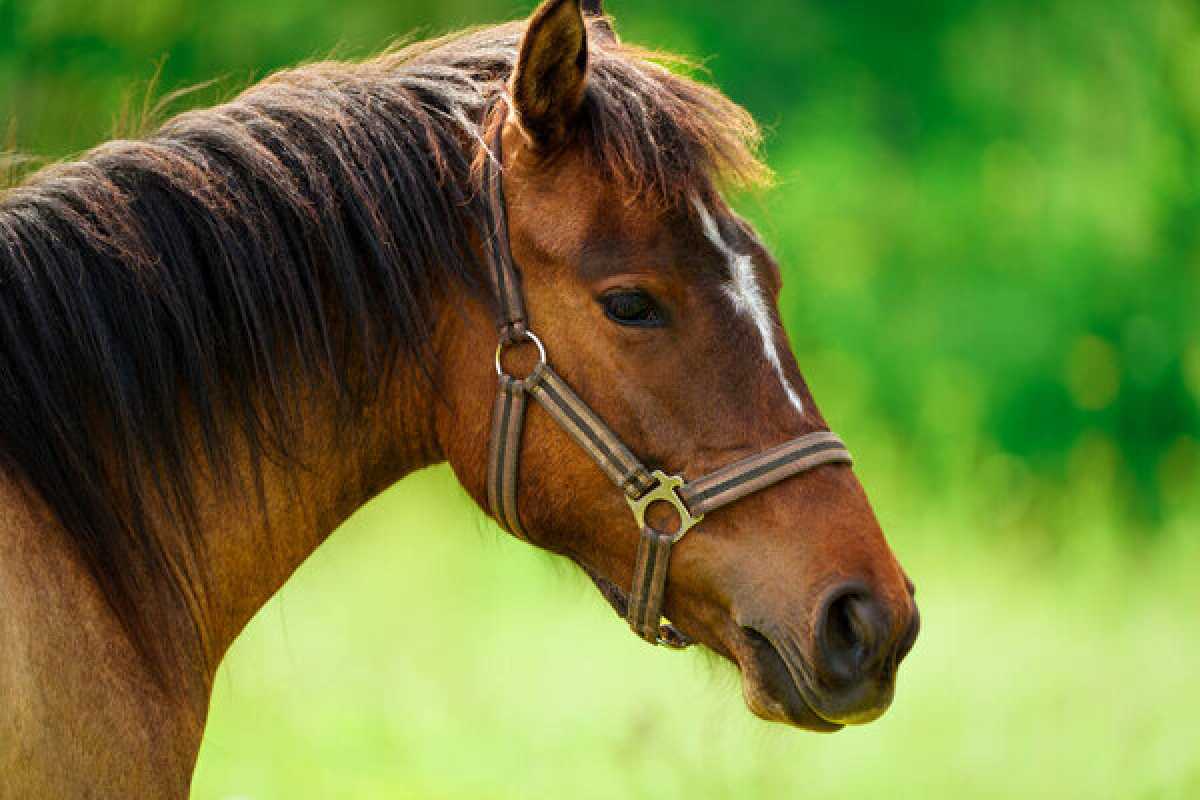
(162, 295)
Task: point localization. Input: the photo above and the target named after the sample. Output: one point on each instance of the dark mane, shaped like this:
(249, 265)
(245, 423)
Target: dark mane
(296, 233)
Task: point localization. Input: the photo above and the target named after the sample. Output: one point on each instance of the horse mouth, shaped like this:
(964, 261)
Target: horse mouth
(776, 688)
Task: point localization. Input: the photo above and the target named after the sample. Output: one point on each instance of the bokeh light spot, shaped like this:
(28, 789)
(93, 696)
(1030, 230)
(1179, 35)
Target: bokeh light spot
(1093, 373)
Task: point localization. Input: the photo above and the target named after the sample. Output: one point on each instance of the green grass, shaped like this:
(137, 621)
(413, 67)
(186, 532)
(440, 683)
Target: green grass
(421, 654)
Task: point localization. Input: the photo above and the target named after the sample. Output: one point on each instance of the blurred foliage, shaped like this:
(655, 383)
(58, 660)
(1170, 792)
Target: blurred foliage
(989, 212)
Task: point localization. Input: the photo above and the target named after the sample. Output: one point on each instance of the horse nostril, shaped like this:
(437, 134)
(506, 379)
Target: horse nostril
(849, 633)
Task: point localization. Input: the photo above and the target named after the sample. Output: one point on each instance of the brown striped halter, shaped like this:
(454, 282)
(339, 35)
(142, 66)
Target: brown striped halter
(642, 606)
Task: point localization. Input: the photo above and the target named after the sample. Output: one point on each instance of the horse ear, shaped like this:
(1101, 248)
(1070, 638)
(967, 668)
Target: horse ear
(551, 76)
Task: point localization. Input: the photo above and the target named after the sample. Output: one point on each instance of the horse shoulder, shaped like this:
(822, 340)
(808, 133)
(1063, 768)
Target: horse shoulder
(79, 715)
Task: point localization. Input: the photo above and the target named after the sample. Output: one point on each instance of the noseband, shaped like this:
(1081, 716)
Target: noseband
(643, 605)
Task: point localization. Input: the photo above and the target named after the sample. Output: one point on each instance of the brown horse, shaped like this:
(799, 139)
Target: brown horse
(219, 341)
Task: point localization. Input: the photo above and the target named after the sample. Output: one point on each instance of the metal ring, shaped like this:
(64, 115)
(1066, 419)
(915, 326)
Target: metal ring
(526, 334)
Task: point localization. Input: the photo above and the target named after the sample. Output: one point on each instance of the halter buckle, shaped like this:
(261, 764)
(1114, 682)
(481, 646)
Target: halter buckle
(666, 488)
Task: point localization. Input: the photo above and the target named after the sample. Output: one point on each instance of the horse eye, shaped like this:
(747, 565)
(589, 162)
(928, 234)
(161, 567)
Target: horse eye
(633, 307)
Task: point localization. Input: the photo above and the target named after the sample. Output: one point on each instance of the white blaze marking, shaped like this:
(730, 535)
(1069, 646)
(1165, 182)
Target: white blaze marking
(747, 297)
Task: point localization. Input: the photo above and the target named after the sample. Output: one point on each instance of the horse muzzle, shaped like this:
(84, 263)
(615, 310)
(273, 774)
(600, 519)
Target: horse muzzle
(842, 673)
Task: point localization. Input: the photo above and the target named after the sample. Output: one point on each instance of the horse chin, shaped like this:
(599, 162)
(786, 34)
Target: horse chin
(771, 690)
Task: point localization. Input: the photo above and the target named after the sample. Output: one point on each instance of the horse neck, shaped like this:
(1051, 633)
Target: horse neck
(252, 541)
(78, 674)
(80, 686)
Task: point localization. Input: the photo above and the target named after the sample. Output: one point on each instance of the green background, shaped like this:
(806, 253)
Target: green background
(989, 217)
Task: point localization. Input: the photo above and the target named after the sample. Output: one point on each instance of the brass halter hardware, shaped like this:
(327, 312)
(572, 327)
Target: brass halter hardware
(666, 490)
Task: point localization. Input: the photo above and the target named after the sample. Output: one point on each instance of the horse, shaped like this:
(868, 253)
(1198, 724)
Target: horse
(219, 340)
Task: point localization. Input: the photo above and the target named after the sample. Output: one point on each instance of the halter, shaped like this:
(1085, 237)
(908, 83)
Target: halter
(642, 606)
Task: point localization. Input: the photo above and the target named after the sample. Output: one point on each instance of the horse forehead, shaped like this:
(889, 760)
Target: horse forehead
(573, 215)
(604, 233)
(556, 210)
